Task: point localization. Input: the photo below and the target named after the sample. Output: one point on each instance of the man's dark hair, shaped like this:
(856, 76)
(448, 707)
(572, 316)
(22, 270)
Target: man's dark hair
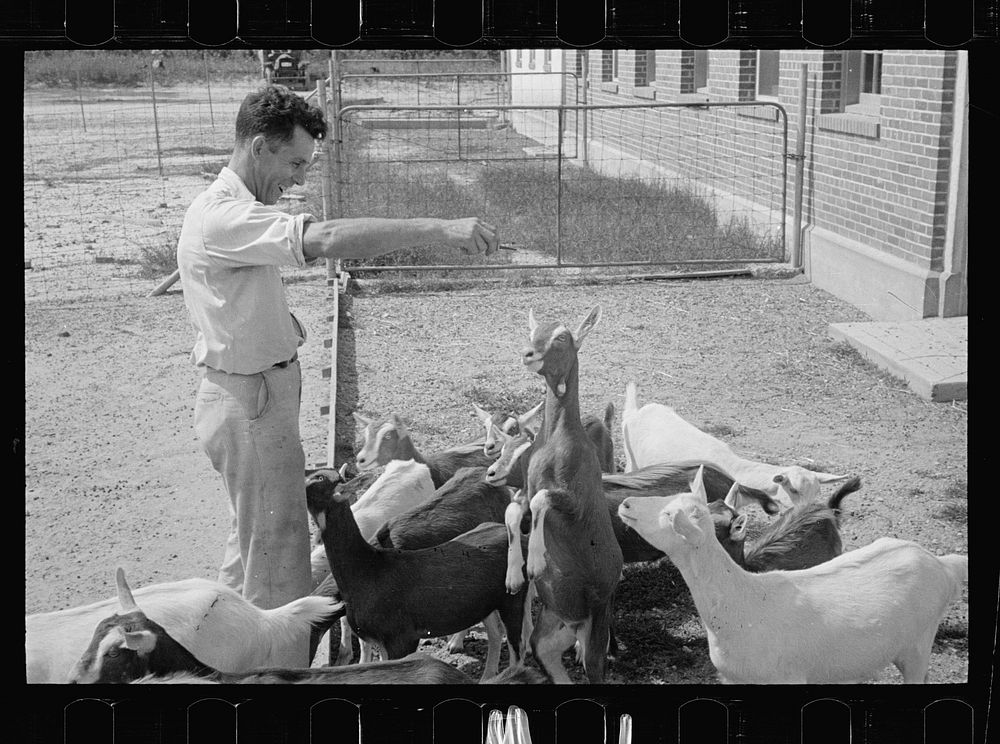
(274, 111)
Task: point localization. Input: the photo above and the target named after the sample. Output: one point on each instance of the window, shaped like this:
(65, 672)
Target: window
(700, 70)
(531, 59)
(615, 64)
(517, 58)
(547, 60)
(768, 66)
(579, 64)
(650, 66)
(862, 81)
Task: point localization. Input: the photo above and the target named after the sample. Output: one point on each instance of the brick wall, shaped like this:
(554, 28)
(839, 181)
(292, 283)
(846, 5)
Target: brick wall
(879, 181)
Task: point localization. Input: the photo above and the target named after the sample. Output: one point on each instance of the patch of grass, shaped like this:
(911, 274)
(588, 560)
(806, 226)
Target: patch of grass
(955, 511)
(957, 490)
(130, 68)
(158, 260)
(603, 219)
(719, 430)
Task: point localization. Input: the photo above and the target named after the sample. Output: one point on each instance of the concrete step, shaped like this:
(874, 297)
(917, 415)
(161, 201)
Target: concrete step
(931, 355)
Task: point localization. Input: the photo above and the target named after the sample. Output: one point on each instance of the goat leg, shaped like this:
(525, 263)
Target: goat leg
(540, 504)
(494, 635)
(515, 559)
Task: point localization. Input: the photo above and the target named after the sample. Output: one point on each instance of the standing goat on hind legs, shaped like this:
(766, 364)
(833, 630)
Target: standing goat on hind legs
(573, 556)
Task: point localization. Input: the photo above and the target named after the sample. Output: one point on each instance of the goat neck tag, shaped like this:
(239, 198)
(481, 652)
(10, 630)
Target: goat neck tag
(561, 388)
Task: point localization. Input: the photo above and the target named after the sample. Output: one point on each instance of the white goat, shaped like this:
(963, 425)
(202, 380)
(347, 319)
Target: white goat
(403, 485)
(839, 622)
(656, 434)
(209, 618)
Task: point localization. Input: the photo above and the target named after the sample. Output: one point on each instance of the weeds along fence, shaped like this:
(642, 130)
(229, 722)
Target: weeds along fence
(653, 185)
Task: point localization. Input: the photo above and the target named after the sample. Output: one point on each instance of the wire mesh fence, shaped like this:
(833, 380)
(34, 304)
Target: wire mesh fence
(656, 184)
(109, 170)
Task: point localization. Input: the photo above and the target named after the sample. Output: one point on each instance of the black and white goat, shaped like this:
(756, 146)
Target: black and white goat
(129, 647)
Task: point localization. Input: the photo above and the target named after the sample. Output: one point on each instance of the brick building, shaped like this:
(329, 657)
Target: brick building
(885, 202)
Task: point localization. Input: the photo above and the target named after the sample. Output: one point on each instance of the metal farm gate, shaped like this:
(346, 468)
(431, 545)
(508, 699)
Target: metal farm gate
(573, 185)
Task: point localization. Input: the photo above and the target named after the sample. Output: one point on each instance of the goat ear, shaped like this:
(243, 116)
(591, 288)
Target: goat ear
(698, 485)
(588, 324)
(532, 323)
(482, 415)
(684, 527)
(532, 420)
(125, 598)
(140, 641)
(361, 419)
(830, 477)
(738, 528)
(343, 472)
(733, 497)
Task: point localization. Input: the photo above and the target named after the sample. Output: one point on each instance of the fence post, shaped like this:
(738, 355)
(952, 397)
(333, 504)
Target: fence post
(325, 146)
(559, 161)
(79, 95)
(156, 121)
(208, 87)
(584, 70)
(458, 102)
(800, 156)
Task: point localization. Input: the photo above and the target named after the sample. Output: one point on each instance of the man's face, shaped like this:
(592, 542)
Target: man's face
(276, 172)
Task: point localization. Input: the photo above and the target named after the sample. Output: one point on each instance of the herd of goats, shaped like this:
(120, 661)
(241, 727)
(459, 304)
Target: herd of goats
(424, 546)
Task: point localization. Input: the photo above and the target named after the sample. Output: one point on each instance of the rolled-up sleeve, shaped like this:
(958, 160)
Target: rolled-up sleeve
(247, 233)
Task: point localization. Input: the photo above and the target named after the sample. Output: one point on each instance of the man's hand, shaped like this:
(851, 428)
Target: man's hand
(472, 235)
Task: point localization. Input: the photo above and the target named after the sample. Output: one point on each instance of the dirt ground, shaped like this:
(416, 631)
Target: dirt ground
(114, 475)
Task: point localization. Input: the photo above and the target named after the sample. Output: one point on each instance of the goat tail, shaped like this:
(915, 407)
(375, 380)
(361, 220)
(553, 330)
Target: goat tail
(306, 611)
(517, 674)
(850, 486)
(957, 567)
(631, 398)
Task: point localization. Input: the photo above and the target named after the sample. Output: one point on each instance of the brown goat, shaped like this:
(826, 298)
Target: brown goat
(573, 556)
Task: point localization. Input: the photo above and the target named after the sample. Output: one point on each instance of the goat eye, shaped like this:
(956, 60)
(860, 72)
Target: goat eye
(113, 652)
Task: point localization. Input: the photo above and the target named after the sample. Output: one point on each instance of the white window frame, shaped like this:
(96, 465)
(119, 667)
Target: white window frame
(615, 65)
(756, 87)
